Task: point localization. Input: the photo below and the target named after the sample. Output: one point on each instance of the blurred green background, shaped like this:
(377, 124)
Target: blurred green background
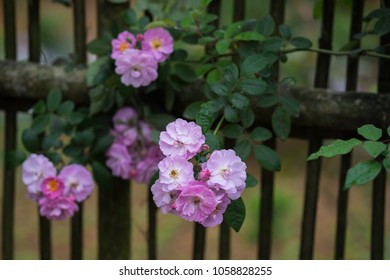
(174, 234)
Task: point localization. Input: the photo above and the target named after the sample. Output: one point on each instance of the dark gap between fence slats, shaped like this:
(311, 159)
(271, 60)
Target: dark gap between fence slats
(79, 31)
(351, 85)
(10, 29)
(152, 226)
(9, 188)
(34, 35)
(239, 10)
(266, 209)
(379, 185)
(44, 238)
(114, 211)
(79, 34)
(199, 244)
(314, 167)
(277, 11)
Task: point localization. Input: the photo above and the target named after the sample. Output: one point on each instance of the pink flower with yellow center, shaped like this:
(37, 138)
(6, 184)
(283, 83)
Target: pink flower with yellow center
(124, 41)
(52, 187)
(159, 42)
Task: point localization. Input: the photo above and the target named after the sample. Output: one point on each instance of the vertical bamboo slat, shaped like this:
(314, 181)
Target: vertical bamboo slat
(34, 36)
(152, 227)
(314, 167)
(277, 10)
(199, 245)
(351, 85)
(8, 204)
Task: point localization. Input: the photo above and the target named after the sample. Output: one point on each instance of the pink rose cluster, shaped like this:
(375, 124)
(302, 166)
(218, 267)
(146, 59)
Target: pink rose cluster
(56, 195)
(193, 189)
(132, 155)
(137, 58)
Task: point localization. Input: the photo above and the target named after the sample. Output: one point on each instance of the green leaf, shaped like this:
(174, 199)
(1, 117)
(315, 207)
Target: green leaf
(213, 76)
(253, 86)
(192, 110)
(239, 101)
(301, 43)
(40, 123)
(260, 134)
(169, 97)
(54, 157)
(388, 131)
(98, 98)
(185, 73)
(53, 99)
(94, 69)
(235, 214)
(39, 107)
(250, 181)
(213, 141)
(243, 149)
(160, 121)
(267, 158)
(73, 150)
(370, 132)
(233, 29)
(30, 140)
(205, 3)
(217, 105)
(230, 73)
(102, 144)
(166, 23)
(203, 69)
(247, 117)
(230, 114)
(338, 147)
(253, 64)
(222, 46)
(204, 118)
(14, 158)
(99, 47)
(219, 88)
(101, 175)
(374, 149)
(291, 105)
(362, 173)
(382, 26)
(281, 123)
(130, 17)
(66, 108)
(51, 141)
(232, 131)
(285, 31)
(76, 118)
(268, 100)
(266, 26)
(249, 36)
(386, 164)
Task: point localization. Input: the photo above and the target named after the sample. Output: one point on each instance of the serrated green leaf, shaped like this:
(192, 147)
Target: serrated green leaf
(338, 147)
(291, 105)
(247, 117)
(243, 149)
(239, 101)
(373, 148)
(281, 123)
(101, 175)
(39, 107)
(99, 47)
(386, 164)
(30, 140)
(54, 157)
(217, 105)
(232, 131)
(266, 26)
(260, 134)
(235, 214)
(40, 123)
(230, 73)
(130, 17)
(370, 132)
(301, 43)
(166, 23)
(253, 64)
(53, 99)
(94, 69)
(51, 141)
(219, 88)
(253, 86)
(267, 158)
(192, 110)
(362, 173)
(249, 36)
(213, 76)
(230, 114)
(250, 181)
(268, 100)
(213, 141)
(66, 108)
(204, 118)
(382, 26)
(203, 69)
(222, 46)
(285, 31)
